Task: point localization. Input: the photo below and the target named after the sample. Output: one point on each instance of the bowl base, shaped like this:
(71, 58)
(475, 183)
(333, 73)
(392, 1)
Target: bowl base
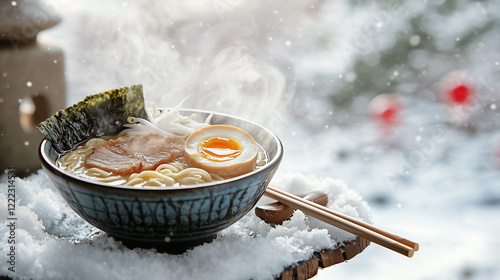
(168, 247)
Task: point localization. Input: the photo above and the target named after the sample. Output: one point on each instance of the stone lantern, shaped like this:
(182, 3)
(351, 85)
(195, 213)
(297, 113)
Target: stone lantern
(32, 85)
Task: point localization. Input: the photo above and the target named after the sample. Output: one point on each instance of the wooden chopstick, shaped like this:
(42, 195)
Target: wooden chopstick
(399, 239)
(339, 220)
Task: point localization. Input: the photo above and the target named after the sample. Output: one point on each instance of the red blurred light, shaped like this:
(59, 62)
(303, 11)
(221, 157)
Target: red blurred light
(385, 109)
(389, 116)
(460, 94)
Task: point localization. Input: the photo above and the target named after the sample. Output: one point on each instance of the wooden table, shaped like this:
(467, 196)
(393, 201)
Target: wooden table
(309, 268)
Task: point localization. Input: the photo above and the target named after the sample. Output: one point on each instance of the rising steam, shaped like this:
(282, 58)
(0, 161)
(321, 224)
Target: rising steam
(230, 56)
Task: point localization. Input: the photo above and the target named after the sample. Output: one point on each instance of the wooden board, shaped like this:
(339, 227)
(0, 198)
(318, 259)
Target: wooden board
(309, 268)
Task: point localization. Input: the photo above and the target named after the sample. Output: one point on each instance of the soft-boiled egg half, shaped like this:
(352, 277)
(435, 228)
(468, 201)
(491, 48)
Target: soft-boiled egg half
(222, 149)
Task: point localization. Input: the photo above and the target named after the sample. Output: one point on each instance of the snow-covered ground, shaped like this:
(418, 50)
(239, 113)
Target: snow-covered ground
(52, 242)
(433, 179)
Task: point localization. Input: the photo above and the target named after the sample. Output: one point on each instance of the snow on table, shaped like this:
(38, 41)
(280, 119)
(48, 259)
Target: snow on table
(52, 242)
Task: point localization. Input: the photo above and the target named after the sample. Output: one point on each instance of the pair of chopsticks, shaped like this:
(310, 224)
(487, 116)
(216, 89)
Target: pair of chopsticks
(342, 221)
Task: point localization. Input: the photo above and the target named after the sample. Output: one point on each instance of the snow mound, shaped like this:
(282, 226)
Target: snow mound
(52, 242)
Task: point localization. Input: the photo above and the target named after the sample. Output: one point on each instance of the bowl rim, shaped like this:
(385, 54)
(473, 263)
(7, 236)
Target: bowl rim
(47, 163)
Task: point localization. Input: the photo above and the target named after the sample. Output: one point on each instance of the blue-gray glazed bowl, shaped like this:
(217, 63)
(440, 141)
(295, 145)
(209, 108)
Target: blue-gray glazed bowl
(168, 217)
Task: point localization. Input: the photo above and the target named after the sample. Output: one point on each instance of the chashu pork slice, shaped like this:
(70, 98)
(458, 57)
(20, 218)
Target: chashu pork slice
(136, 154)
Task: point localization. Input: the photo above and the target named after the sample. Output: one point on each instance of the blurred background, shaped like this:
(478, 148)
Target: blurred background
(400, 99)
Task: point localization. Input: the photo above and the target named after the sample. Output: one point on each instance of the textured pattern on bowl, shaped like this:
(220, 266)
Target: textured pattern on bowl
(176, 214)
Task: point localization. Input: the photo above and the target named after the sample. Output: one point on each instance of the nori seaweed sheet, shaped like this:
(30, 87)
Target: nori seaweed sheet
(97, 115)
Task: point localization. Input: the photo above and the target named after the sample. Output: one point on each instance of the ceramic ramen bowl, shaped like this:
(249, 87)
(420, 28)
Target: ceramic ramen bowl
(168, 217)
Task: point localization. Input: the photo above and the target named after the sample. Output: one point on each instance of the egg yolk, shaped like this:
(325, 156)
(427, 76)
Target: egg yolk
(219, 148)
